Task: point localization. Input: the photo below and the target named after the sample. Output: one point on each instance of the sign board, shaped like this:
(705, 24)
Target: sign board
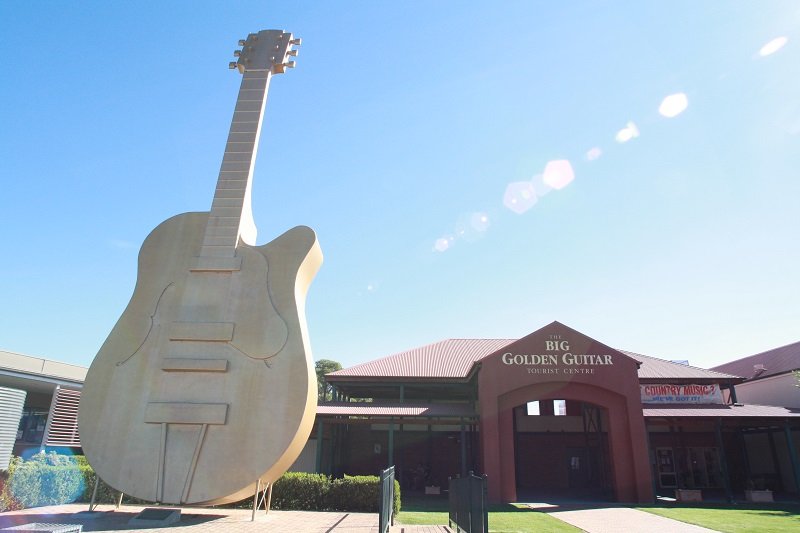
(692, 394)
(556, 358)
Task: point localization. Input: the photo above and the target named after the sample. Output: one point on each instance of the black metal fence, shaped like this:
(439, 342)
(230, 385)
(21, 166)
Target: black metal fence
(468, 507)
(386, 503)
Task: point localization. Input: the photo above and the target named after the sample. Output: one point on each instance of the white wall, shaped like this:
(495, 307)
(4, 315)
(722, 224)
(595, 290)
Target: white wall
(774, 390)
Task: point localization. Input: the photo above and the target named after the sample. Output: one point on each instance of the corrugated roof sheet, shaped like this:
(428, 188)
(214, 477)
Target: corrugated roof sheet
(756, 411)
(775, 361)
(655, 368)
(453, 359)
(395, 409)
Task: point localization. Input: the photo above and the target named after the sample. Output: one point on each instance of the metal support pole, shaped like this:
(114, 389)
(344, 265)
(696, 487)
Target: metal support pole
(92, 504)
(463, 449)
(269, 497)
(318, 468)
(333, 430)
(787, 430)
(390, 461)
(723, 462)
(255, 500)
(745, 457)
(675, 457)
(261, 499)
(775, 464)
(733, 394)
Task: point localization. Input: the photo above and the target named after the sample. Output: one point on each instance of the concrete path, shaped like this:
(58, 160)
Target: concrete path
(207, 520)
(617, 520)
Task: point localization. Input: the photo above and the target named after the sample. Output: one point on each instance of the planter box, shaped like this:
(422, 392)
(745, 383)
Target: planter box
(688, 495)
(761, 496)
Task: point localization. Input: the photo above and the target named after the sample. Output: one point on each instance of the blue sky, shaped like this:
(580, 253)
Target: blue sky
(396, 138)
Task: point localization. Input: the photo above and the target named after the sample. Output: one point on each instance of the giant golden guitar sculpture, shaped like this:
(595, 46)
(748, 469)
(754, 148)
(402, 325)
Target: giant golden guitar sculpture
(205, 386)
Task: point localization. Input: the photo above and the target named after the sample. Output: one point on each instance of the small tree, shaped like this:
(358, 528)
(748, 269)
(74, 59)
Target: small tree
(324, 389)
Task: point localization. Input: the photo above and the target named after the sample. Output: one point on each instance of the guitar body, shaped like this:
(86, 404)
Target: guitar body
(206, 383)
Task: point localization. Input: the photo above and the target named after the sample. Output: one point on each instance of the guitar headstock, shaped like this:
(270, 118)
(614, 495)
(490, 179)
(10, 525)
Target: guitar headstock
(266, 50)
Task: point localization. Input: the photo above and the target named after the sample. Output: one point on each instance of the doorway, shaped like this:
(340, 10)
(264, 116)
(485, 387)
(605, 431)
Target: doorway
(561, 451)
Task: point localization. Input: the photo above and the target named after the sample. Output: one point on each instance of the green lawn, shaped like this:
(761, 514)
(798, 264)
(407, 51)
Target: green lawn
(502, 518)
(736, 518)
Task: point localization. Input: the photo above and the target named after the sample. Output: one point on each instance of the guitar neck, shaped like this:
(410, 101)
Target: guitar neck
(231, 216)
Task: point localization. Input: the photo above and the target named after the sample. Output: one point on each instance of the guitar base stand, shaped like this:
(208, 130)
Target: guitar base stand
(264, 499)
(93, 503)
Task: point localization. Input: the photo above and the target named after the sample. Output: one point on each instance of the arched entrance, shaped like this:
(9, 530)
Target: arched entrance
(559, 363)
(561, 451)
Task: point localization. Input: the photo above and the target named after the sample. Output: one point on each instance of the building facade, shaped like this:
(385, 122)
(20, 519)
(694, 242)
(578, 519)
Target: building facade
(771, 377)
(555, 413)
(38, 405)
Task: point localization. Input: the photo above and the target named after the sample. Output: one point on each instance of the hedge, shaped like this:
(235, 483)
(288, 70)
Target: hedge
(52, 479)
(300, 492)
(315, 492)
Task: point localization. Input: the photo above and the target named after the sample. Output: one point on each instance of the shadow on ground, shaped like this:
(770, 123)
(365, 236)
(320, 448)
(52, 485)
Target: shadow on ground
(99, 521)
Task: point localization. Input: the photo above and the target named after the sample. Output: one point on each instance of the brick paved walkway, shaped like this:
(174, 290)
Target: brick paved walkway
(206, 520)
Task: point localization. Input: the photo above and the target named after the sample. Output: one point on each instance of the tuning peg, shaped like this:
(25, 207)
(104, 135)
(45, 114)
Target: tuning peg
(237, 53)
(293, 53)
(232, 65)
(241, 42)
(298, 42)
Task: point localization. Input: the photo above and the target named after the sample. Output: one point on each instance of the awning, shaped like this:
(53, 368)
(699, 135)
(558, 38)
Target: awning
(738, 410)
(439, 410)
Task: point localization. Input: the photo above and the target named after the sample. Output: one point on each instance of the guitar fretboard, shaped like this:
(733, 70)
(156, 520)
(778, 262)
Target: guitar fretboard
(231, 215)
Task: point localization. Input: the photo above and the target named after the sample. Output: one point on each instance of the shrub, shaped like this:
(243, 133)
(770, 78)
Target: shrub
(44, 479)
(6, 502)
(52, 479)
(359, 493)
(300, 491)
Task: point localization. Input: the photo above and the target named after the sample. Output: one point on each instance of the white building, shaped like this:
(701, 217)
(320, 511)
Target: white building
(771, 378)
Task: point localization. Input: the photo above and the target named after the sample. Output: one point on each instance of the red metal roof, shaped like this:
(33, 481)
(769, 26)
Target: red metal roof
(775, 361)
(755, 411)
(655, 368)
(454, 358)
(451, 358)
(395, 409)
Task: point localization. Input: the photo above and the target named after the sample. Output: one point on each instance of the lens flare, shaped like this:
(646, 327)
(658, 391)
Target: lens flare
(673, 105)
(558, 174)
(594, 153)
(479, 222)
(630, 131)
(539, 186)
(773, 46)
(441, 244)
(519, 196)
